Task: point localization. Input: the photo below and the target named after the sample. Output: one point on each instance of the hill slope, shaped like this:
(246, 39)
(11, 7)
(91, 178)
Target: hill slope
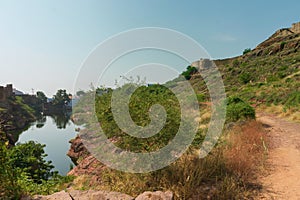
(267, 75)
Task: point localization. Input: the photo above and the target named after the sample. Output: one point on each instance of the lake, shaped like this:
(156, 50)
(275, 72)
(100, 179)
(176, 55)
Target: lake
(55, 132)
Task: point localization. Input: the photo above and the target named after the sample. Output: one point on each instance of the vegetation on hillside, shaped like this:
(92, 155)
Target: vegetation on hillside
(189, 175)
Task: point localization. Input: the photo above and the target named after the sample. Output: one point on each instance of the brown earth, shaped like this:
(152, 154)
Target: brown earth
(282, 179)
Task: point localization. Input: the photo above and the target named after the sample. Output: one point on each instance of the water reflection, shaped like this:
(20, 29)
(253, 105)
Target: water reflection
(60, 120)
(55, 131)
(41, 122)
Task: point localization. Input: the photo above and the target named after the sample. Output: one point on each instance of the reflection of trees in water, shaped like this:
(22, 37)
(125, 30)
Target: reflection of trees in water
(41, 122)
(61, 120)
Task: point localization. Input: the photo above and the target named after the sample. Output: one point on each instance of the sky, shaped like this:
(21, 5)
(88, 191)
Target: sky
(43, 44)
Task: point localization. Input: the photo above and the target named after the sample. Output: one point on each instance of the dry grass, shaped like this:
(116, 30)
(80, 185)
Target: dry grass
(246, 152)
(292, 114)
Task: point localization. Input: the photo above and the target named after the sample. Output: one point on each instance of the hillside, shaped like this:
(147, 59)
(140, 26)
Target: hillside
(268, 75)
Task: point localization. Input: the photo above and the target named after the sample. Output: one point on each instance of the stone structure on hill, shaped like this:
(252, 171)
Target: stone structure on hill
(202, 64)
(6, 92)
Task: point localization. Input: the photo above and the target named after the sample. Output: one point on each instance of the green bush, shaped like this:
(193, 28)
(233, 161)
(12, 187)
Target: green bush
(238, 109)
(293, 99)
(245, 78)
(29, 157)
(246, 51)
(201, 97)
(189, 71)
(23, 171)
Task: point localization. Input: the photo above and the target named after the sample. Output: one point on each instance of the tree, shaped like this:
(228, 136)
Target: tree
(40, 95)
(61, 97)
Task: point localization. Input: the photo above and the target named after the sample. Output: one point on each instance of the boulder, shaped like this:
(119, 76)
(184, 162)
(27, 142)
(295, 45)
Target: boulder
(158, 195)
(82, 195)
(62, 195)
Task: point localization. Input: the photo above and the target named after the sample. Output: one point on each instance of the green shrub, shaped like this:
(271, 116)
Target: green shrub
(245, 78)
(293, 99)
(29, 157)
(201, 97)
(238, 109)
(23, 171)
(246, 51)
(189, 71)
(282, 44)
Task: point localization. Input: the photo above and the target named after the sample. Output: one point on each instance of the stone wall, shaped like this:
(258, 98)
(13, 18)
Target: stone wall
(202, 64)
(6, 92)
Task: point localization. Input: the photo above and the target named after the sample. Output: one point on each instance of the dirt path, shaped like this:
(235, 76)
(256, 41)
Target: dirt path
(283, 177)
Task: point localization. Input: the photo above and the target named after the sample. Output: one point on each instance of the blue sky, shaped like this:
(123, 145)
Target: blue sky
(43, 43)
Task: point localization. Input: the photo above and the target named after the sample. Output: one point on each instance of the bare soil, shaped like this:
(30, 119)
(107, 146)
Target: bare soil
(282, 177)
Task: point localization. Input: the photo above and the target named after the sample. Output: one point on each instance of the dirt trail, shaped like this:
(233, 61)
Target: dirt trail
(283, 176)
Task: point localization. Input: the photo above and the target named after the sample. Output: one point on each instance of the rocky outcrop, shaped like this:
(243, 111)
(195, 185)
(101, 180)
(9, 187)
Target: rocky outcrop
(86, 164)
(158, 195)
(77, 150)
(101, 195)
(62, 195)
(83, 195)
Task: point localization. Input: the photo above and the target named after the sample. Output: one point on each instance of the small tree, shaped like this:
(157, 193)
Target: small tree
(246, 51)
(61, 97)
(41, 96)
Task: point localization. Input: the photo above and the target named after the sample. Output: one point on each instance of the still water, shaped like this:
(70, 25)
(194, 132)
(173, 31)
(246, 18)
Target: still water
(55, 132)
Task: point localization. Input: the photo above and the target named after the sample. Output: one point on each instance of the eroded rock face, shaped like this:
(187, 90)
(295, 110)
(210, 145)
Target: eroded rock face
(77, 150)
(158, 195)
(88, 166)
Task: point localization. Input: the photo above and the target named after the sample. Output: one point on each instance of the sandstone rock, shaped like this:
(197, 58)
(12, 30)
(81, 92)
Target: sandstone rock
(98, 195)
(62, 195)
(77, 150)
(88, 166)
(158, 195)
(83, 195)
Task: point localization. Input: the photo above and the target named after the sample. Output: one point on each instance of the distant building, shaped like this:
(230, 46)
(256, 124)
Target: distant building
(18, 92)
(6, 92)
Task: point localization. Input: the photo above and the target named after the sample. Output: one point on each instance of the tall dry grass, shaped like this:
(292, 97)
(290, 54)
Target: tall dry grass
(246, 151)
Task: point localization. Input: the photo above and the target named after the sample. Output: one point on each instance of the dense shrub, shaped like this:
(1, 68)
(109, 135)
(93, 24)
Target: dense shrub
(30, 158)
(246, 51)
(238, 109)
(245, 78)
(189, 71)
(23, 171)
